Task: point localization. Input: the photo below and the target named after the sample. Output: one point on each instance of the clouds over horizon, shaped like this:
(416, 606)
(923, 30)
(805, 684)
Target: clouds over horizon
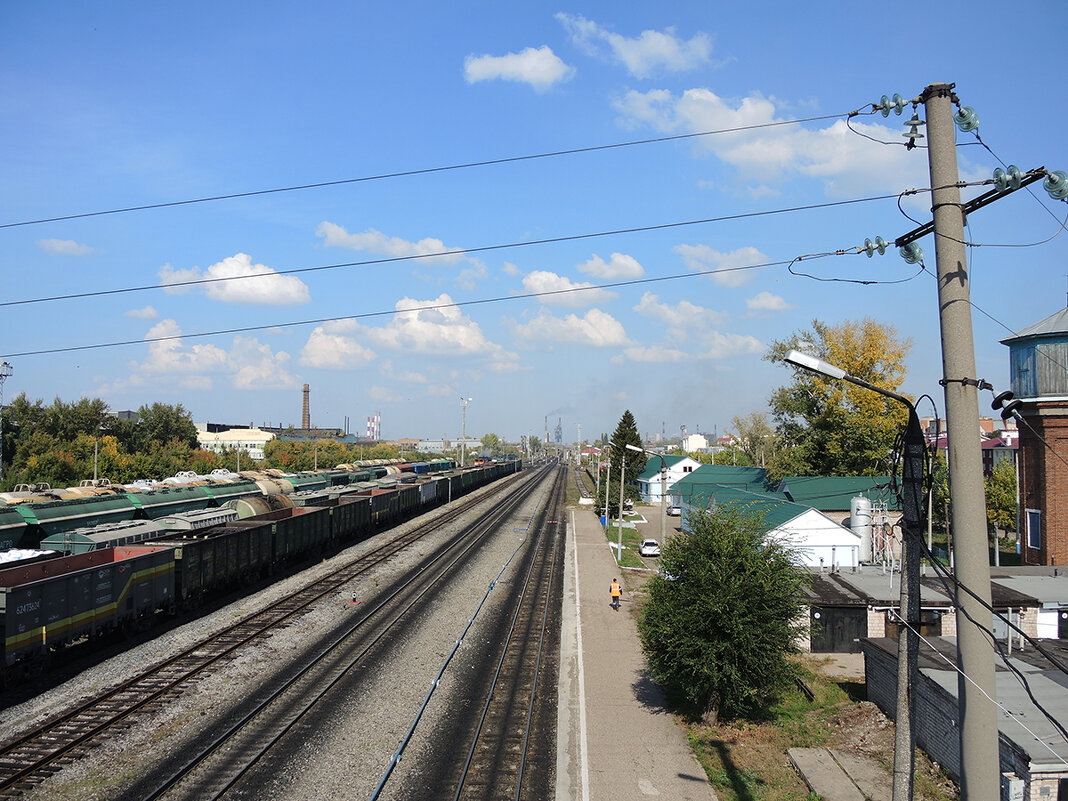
(619, 265)
(539, 67)
(767, 302)
(846, 163)
(687, 324)
(727, 269)
(237, 280)
(249, 364)
(595, 328)
(646, 55)
(427, 249)
(64, 247)
(434, 327)
(562, 291)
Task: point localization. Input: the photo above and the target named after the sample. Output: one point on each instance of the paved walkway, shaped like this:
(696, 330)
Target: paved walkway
(616, 739)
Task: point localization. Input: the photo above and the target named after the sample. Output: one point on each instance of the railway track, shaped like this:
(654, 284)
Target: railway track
(38, 754)
(508, 736)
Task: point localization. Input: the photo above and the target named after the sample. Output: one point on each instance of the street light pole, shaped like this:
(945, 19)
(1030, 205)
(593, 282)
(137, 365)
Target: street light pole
(5, 373)
(622, 477)
(908, 641)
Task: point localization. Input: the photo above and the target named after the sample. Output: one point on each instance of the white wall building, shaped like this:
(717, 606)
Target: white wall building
(649, 479)
(251, 440)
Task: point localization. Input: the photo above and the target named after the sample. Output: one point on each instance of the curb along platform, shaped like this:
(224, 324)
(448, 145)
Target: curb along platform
(616, 739)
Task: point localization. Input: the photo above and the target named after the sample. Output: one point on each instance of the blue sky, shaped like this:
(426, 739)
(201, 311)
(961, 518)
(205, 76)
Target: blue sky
(111, 105)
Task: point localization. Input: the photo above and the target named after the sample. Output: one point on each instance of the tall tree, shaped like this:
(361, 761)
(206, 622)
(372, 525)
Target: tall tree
(1001, 495)
(626, 433)
(723, 615)
(831, 427)
(756, 438)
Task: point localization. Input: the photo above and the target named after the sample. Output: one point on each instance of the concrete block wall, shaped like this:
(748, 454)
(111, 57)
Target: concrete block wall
(936, 727)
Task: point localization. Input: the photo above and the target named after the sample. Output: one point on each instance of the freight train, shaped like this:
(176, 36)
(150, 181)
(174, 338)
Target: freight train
(172, 553)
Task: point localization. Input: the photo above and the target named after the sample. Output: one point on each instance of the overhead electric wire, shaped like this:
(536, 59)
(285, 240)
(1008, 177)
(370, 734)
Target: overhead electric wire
(452, 252)
(366, 315)
(432, 170)
(957, 668)
(947, 579)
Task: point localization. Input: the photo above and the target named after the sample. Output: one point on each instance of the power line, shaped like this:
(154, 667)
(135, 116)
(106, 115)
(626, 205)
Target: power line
(430, 170)
(366, 315)
(453, 252)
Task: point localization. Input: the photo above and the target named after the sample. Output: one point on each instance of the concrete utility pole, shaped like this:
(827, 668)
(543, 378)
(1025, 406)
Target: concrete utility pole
(5, 373)
(979, 763)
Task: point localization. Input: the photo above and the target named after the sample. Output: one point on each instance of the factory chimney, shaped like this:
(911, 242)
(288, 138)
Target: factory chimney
(305, 416)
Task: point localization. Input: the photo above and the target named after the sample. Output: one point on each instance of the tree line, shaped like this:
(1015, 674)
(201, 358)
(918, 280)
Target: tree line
(61, 442)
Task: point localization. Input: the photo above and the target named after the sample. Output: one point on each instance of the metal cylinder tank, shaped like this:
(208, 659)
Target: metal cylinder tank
(860, 523)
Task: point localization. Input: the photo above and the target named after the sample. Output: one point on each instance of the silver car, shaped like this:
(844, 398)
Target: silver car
(649, 548)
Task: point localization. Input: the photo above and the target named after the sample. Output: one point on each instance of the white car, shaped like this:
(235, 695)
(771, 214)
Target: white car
(649, 548)
(674, 511)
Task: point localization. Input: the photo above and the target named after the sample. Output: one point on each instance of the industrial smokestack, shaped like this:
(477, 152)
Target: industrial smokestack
(305, 416)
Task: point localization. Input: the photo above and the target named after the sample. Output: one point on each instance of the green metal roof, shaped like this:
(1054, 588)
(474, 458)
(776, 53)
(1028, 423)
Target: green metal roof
(833, 493)
(753, 479)
(652, 466)
(770, 508)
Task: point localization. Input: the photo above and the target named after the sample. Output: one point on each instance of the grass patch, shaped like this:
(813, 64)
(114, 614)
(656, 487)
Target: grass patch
(747, 761)
(631, 540)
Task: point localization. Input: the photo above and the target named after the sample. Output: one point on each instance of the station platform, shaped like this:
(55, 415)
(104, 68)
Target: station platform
(616, 739)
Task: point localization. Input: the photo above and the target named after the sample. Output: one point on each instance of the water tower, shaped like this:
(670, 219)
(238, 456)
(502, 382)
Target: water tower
(1038, 366)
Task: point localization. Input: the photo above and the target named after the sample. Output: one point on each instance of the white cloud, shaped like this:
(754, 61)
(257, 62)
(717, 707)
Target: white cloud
(254, 365)
(64, 247)
(383, 395)
(728, 268)
(374, 241)
(409, 377)
(541, 68)
(722, 346)
(766, 301)
(563, 290)
(237, 280)
(329, 347)
(145, 313)
(847, 164)
(595, 328)
(659, 354)
(470, 276)
(619, 265)
(441, 391)
(170, 356)
(435, 326)
(510, 269)
(681, 319)
(644, 56)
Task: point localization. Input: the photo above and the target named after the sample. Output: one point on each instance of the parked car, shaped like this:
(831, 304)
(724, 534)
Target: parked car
(675, 511)
(649, 548)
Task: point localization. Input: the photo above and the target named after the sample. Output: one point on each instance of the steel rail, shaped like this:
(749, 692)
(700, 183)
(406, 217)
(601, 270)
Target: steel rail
(73, 734)
(466, 543)
(519, 609)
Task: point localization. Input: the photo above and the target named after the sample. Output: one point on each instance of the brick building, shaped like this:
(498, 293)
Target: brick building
(1038, 356)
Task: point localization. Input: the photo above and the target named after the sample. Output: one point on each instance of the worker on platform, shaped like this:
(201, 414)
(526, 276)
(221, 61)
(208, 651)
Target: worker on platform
(616, 591)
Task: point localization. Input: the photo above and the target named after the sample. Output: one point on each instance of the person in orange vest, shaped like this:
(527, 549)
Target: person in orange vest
(616, 591)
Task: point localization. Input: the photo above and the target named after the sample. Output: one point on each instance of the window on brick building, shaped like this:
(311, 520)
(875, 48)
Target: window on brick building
(1034, 528)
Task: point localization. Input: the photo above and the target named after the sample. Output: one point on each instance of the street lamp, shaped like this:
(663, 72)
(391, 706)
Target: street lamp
(463, 427)
(5, 373)
(663, 489)
(908, 645)
(622, 478)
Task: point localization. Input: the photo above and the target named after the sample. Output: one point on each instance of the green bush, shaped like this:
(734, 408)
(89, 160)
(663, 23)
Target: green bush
(722, 617)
